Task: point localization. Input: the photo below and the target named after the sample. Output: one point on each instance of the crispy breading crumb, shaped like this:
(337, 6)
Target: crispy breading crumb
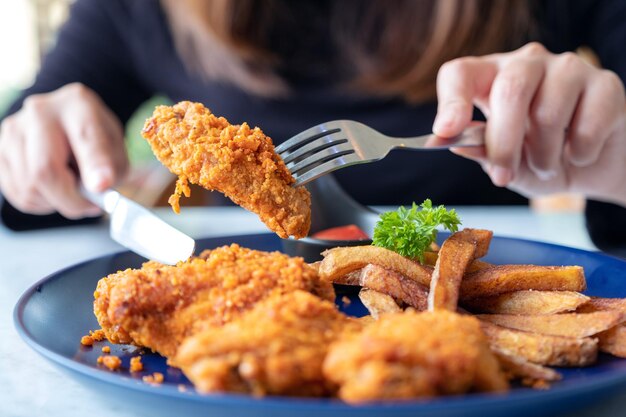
(346, 301)
(97, 335)
(135, 364)
(536, 383)
(106, 349)
(93, 337)
(110, 361)
(182, 388)
(155, 378)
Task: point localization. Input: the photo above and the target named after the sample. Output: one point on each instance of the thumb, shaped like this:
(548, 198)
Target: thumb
(459, 83)
(94, 152)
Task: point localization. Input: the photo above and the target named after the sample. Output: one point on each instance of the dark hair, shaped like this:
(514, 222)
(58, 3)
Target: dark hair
(395, 46)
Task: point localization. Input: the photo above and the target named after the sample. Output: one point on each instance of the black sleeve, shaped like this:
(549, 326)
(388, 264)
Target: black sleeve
(92, 48)
(606, 36)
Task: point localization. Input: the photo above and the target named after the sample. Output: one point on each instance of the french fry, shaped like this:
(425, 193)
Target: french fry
(542, 349)
(603, 304)
(519, 367)
(338, 262)
(613, 340)
(567, 324)
(501, 279)
(388, 282)
(378, 303)
(430, 259)
(454, 256)
(528, 302)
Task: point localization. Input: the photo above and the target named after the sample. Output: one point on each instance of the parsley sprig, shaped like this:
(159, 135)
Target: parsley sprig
(410, 232)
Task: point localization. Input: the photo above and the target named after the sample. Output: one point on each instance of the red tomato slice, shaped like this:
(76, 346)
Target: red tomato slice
(350, 232)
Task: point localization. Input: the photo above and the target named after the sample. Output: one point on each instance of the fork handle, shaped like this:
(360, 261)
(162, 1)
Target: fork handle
(472, 136)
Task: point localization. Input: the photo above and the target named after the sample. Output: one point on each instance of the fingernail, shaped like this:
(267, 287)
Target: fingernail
(501, 176)
(98, 179)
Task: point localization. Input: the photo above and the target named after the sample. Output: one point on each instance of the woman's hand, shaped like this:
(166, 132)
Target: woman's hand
(554, 123)
(43, 144)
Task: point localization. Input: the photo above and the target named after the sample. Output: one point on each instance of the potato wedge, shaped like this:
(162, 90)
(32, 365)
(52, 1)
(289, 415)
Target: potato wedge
(542, 349)
(378, 303)
(567, 324)
(388, 282)
(613, 341)
(528, 302)
(338, 262)
(430, 259)
(455, 255)
(519, 367)
(501, 279)
(603, 304)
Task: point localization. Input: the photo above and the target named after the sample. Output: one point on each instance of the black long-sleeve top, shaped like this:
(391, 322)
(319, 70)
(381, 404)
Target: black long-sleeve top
(124, 51)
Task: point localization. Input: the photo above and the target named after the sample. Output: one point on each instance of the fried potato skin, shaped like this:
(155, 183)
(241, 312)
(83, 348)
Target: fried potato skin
(528, 302)
(568, 324)
(378, 303)
(501, 279)
(236, 160)
(455, 255)
(413, 355)
(389, 282)
(520, 368)
(340, 261)
(613, 340)
(542, 349)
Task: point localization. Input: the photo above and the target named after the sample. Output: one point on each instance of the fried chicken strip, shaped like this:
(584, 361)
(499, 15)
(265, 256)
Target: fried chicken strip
(235, 160)
(157, 306)
(276, 348)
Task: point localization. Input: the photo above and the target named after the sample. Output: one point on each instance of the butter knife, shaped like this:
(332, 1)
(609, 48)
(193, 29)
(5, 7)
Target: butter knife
(138, 229)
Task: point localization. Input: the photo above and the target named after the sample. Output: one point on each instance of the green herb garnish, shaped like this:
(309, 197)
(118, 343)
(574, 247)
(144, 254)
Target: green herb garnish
(410, 232)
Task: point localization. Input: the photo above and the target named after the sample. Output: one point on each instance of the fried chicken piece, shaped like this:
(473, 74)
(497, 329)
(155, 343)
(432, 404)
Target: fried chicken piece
(276, 348)
(235, 160)
(413, 355)
(157, 306)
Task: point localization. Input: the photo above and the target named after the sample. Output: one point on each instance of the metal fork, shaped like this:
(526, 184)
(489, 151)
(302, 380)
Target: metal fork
(342, 143)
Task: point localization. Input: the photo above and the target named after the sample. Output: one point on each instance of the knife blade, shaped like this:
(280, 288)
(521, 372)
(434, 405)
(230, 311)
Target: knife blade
(138, 229)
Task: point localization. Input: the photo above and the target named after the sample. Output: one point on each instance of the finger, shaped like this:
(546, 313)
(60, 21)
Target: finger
(14, 182)
(60, 189)
(600, 108)
(551, 113)
(509, 101)
(93, 149)
(46, 152)
(459, 83)
(115, 132)
(478, 153)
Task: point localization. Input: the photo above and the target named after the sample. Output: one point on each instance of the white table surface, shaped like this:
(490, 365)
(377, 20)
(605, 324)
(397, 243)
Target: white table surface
(30, 386)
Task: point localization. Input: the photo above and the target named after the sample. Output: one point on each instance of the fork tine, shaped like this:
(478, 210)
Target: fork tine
(307, 136)
(326, 167)
(321, 157)
(317, 145)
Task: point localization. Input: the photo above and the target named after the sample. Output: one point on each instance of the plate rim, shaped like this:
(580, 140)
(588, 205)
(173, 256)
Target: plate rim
(519, 395)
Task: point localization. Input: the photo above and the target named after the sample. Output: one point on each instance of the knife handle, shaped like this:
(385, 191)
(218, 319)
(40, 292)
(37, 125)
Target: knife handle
(106, 200)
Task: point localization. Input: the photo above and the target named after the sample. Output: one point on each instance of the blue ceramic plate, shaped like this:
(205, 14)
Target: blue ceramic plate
(54, 313)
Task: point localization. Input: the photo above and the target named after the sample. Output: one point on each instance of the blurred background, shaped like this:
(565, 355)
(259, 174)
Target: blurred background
(28, 29)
